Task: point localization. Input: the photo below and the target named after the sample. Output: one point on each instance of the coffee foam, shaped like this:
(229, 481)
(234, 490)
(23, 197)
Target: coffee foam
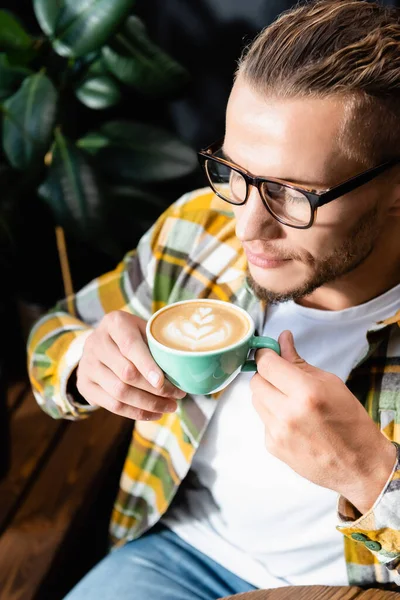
(199, 327)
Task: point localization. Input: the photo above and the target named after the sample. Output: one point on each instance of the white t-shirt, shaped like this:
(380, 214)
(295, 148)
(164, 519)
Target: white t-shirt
(251, 512)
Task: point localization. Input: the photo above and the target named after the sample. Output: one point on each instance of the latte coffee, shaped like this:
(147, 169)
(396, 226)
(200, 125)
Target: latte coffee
(200, 326)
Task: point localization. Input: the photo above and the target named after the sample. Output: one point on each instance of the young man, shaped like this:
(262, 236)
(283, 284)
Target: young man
(291, 476)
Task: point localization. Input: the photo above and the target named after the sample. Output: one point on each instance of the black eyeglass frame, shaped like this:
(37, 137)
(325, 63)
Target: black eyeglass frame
(315, 198)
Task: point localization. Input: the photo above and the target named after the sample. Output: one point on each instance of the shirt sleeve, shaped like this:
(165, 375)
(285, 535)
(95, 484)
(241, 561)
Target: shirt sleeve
(56, 342)
(379, 528)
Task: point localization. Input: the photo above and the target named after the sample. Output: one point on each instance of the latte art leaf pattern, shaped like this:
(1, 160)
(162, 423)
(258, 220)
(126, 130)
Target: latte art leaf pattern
(199, 326)
(203, 316)
(201, 330)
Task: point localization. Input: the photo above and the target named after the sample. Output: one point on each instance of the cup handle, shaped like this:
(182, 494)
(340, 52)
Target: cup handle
(257, 342)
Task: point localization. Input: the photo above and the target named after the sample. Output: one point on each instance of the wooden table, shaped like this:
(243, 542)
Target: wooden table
(56, 499)
(318, 592)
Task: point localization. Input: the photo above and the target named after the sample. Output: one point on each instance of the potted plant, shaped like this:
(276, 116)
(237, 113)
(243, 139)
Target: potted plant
(80, 170)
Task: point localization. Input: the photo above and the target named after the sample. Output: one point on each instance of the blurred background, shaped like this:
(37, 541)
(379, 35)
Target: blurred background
(99, 132)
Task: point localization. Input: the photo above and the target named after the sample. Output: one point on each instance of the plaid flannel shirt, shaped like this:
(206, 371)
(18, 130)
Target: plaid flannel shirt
(192, 252)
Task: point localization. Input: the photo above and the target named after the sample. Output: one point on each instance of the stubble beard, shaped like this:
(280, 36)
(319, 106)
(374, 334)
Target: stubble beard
(344, 259)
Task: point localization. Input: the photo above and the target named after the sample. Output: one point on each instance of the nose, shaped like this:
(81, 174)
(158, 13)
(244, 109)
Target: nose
(253, 221)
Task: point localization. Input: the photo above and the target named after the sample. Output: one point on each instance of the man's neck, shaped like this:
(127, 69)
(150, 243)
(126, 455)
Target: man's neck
(379, 273)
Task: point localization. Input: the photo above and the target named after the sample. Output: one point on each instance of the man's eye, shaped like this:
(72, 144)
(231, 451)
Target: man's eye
(282, 193)
(296, 199)
(276, 190)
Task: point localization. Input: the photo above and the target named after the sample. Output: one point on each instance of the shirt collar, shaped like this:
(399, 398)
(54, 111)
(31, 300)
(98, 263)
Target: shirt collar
(258, 307)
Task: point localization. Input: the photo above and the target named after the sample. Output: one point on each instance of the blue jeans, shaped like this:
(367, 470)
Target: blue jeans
(158, 566)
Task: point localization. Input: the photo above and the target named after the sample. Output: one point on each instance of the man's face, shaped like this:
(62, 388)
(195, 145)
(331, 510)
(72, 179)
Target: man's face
(298, 140)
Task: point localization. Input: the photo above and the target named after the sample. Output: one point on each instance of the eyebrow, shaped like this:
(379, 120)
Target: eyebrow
(305, 184)
(288, 179)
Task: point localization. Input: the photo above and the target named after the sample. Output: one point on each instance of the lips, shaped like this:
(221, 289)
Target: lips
(265, 261)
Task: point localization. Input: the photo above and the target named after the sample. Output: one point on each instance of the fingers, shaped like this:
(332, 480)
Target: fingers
(287, 377)
(114, 371)
(129, 374)
(126, 394)
(288, 349)
(97, 396)
(264, 394)
(131, 344)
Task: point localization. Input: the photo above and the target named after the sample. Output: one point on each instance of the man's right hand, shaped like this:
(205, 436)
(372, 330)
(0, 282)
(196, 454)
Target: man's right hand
(117, 371)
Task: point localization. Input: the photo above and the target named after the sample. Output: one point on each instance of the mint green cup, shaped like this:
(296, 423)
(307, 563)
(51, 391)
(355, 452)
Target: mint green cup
(207, 372)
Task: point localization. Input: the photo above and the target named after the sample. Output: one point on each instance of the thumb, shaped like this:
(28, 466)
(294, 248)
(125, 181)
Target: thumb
(288, 349)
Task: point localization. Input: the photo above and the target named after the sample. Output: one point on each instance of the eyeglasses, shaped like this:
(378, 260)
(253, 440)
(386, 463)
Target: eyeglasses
(289, 204)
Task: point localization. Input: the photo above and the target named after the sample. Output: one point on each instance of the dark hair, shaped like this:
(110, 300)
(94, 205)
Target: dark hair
(347, 48)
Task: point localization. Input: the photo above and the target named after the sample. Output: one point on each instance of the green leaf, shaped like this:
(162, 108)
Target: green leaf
(11, 77)
(73, 192)
(47, 12)
(12, 35)
(28, 121)
(99, 92)
(137, 62)
(80, 27)
(136, 152)
(22, 58)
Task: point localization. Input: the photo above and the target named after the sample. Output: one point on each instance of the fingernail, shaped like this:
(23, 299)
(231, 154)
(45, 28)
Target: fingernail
(153, 417)
(179, 394)
(154, 378)
(170, 408)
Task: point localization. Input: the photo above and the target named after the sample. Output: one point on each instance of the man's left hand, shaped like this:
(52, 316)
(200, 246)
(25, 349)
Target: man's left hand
(315, 425)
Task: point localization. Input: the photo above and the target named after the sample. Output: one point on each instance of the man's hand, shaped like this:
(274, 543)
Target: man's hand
(117, 371)
(315, 425)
